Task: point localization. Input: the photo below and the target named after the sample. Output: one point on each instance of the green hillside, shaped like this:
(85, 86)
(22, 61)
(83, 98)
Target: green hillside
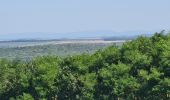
(138, 70)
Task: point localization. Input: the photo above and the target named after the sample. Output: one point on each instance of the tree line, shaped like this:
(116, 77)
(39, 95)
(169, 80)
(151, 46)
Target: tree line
(138, 70)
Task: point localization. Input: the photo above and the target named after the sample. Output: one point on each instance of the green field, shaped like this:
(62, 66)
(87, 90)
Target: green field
(20, 51)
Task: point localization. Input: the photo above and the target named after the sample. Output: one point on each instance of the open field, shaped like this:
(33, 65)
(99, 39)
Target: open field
(28, 50)
(51, 42)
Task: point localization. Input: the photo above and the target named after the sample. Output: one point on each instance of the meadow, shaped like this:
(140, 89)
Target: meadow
(29, 50)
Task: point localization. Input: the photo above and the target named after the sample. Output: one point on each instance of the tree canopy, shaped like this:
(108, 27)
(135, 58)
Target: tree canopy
(138, 70)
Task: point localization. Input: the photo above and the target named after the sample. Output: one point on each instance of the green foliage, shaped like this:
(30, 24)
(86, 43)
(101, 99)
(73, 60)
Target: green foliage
(139, 70)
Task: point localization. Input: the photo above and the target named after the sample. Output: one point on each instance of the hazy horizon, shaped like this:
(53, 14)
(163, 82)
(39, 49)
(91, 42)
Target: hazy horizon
(71, 35)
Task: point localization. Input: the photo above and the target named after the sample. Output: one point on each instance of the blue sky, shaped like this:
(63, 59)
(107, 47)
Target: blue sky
(62, 16)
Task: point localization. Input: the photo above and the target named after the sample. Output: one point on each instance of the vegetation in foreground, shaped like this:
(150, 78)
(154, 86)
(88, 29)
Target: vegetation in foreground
(139, 70)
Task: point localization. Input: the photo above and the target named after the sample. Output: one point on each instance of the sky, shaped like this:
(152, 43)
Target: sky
(64, 16)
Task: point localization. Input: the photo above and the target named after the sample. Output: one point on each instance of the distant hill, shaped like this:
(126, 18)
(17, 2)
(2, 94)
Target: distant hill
(73, 35)
(131, 37)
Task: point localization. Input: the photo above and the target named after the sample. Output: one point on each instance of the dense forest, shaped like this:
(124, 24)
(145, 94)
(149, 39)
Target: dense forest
(138, 70)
